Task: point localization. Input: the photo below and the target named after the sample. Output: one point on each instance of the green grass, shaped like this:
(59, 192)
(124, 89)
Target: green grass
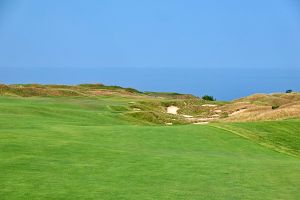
(283, 136)
(86, 148)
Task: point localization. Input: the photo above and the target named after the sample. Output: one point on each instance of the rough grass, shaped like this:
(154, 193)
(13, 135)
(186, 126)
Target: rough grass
(29, 90)
(256, 107)
(172, 95)
(85, 148)
(260, 107)
(37, 90)
(263, 113)
(272, 99)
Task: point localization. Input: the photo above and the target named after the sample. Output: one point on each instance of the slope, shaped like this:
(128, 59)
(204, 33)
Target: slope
(85, 148)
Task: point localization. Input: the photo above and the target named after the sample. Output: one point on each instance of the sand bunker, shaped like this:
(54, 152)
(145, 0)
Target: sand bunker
(172, 110)
(209, 105)
(187, 116)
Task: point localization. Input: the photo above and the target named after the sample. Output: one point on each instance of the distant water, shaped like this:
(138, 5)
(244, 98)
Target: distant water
(222, 84)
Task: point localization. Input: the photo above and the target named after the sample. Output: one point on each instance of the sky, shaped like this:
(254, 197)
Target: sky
(117, 42)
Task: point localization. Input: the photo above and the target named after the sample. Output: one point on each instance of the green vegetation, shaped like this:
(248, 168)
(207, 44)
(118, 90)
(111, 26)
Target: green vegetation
(114, 87)
(172, 95)
(94, 147)
(275, 107)
(282, 136)
(208, 98)
(29, 90)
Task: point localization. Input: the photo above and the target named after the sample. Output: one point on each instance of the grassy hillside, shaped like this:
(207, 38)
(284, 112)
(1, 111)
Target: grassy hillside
(29, 90)
(91, 147)
(282, 136)
(261, 107)
(153, 105)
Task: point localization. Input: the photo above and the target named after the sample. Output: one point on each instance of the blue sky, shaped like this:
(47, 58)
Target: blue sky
(155, 34)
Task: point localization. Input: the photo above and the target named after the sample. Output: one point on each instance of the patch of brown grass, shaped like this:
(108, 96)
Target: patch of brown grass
(263, 113)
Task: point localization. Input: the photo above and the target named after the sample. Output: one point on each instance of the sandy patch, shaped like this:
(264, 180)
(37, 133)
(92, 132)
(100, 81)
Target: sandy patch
(187, 116)
(196, 119)
(209, 105)
(172, 110)
(205, 119)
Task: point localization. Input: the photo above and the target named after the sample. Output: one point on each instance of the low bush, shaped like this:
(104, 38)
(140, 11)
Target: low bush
(275, 107)
(208, 98)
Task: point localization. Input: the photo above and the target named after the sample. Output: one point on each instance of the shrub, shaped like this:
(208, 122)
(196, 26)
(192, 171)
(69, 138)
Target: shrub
(132, 90)
(208, 98)
(92, 86)
(275, 107)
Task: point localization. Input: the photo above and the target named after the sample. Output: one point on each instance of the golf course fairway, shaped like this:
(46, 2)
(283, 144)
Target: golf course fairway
(85, 148)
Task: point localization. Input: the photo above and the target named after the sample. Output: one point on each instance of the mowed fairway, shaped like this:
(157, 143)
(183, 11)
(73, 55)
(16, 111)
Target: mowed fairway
(83, 148)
